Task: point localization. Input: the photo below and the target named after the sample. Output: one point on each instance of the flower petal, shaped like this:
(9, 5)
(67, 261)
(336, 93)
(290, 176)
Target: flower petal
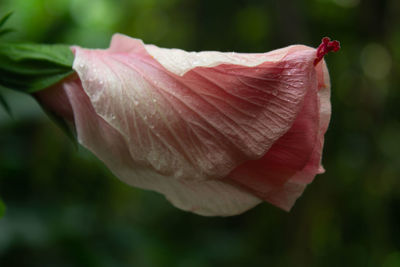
(199, 125)
(184, 123)
(282, 174)
(202, 197)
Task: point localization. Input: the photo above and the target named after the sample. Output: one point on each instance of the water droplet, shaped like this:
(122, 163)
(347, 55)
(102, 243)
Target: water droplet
(154, 100)
(101, 82)
(136, 102)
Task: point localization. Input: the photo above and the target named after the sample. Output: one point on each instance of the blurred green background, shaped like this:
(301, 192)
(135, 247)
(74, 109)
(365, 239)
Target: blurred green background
(64, 208)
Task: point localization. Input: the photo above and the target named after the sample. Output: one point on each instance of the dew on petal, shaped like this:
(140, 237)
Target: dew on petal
(205, 127)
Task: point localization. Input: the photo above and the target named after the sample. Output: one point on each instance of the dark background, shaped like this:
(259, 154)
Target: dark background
(64, 208)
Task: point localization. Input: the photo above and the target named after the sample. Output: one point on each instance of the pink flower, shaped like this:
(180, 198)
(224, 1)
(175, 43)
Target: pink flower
(216, 133)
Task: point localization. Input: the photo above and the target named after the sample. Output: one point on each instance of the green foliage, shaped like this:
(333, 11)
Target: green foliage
(60, 55)
(5, 31)
(3, 20)
(2, 208)
(62, 124)
(33, 67)
(4, 104)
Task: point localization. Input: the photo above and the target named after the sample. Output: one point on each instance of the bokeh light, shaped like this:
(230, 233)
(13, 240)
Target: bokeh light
(375, 61)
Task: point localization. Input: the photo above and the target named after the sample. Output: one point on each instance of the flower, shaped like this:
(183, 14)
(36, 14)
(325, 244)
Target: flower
(216, 133)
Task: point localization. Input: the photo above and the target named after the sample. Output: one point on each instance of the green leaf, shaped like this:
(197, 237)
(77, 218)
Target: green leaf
(5, 31)
(4, 104)
(32, 84)
(62, 124)
(30, 67)
(4, 19)
(2, 208)
(33, 67)
(56, 54)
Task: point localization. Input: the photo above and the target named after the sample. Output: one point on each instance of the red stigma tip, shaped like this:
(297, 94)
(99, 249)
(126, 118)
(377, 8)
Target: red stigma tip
(325, 47)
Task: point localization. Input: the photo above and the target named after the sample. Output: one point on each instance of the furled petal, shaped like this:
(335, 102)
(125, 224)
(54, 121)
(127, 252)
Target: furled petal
(216, 133)
(295, 158)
